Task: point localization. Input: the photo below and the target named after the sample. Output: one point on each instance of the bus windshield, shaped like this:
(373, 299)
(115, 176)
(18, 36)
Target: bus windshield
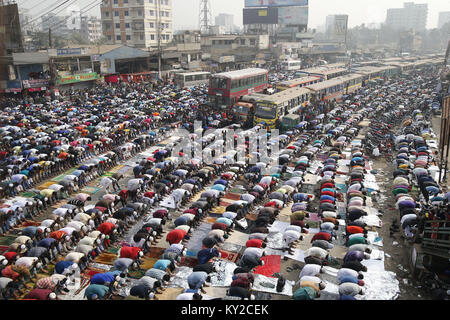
(219, 83)
(241, 109)
(266, 112)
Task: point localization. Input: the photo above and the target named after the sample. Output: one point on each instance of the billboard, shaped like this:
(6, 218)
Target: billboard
(293, 15)
(340, 27)
(275, 3)
(261, 16)
(77, 78)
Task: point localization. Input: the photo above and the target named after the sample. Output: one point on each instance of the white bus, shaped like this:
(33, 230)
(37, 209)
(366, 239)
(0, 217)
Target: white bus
(291, 65)
(191, 79)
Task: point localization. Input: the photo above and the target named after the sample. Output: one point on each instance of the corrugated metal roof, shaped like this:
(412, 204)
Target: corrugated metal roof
(298, 81)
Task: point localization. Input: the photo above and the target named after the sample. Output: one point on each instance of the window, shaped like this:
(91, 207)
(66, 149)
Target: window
(109, 38)
(152, 25)
(128, 37)
(107, 26)
(118, 38)
(117, 25)
(126, 13)
(116, 1)
(139, 12)
(127, 25)
(141, 37)
(152, 37)
(125, 1)
(252, 42)
(242, 42)
(150, 1)
(152, 12)
(107, 14)
(168, 37)
(116, 13)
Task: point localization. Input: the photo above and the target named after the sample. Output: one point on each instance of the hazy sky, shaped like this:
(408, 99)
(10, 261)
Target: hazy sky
(185, 12)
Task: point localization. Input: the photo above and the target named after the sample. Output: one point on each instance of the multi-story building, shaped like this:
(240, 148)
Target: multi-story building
(226, 21)
(444, 17)
(411, 17)
(135, 22)
(57, 24)
(91, 28)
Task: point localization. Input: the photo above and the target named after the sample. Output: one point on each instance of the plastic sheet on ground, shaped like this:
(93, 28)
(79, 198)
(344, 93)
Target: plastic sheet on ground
(279, 226)
(377, 254)
(275, 240)
(299, 255)
(380, 286)
(331, 291)
(372, 220)
(260, 279)
(374, 265)
(374, 238)
(179, 280)
(223, 276)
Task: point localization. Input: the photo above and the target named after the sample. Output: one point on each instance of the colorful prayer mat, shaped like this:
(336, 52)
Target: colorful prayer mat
(272, 264)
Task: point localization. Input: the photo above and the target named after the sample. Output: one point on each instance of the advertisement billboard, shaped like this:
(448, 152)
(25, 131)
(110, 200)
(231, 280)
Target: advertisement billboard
(340, 27)
(261, 16)
(275, 3)
(293, 16)
(77, 78)
(38, 83)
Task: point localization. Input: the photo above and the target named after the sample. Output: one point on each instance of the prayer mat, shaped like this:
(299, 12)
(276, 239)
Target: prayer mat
(215, 292)
(170, 294)
(61, 177)
(229, 256)
(225, 203)
(231, 247)
(272, 264)
(27, 194)
(238, 190)
(214, 216)
(45, 185)
(106, 258)
(58, 204)
(232, 196)
(188, 262)
(90, 190)
(212, 220)
(113, 250)
(136, 274)
(31, 223)
(123, 169)
(83, 284)
(108, 174)
(7, 240)
(238, 238)
(3, 249)
(218, 210)
(155, 252)
(148, 263)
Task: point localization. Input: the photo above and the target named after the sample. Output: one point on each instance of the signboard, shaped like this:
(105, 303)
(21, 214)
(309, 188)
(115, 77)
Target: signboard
(27, 84)
(275, 3)
(226, 59)
(293, 16)
(340, 27)
(68, 52)
(95, 57)
(260, 16)
(14, 84)
(77, 78)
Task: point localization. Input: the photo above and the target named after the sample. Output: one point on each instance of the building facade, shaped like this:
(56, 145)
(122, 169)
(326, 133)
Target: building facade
(91, 28)
(444, 18)
(135, 22)
(411, 17)
(226, 21)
